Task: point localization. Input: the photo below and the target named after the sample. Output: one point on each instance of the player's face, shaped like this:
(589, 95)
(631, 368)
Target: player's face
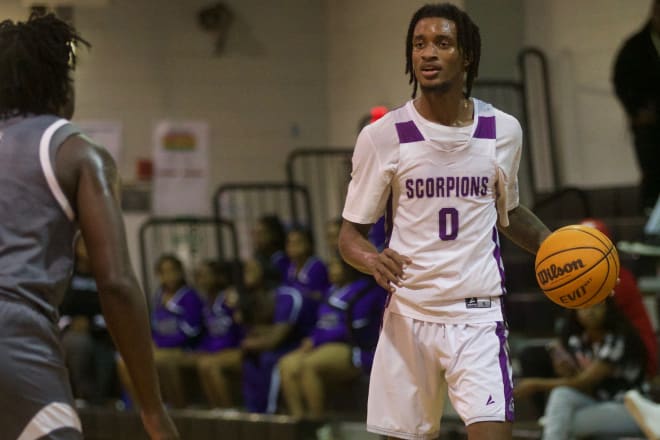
(297, 246)
(592, 317)
(261, 236)
(332, 236)
(252, 274)
(205, 279)
(437, 61)
(336, 272)
(170, 276)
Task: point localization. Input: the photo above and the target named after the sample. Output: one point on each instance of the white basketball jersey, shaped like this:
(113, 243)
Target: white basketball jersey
(438, 187)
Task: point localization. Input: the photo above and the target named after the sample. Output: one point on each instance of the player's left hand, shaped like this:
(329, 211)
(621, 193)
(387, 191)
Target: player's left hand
(613, 292)
(387, 268)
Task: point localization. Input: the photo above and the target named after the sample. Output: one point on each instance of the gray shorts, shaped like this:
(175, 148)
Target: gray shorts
(35, 395)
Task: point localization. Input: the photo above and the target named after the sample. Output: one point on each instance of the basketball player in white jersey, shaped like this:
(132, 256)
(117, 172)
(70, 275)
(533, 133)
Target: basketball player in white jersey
(443, 167)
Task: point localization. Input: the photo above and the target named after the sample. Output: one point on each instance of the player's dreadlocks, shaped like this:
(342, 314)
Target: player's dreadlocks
(36, 58)
(469, 40)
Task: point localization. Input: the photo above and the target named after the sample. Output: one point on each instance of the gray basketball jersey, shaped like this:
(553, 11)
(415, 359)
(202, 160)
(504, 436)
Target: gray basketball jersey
(37, 223)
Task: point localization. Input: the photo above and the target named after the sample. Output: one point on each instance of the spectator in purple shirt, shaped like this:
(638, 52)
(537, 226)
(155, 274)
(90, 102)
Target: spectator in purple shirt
(176, 324)
(269, 237)
(332, 228)
(218, 351)
(275, 330)
(341, 345)
(307, 273)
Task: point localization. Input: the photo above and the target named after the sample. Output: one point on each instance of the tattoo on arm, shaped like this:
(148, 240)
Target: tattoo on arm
(525, 229)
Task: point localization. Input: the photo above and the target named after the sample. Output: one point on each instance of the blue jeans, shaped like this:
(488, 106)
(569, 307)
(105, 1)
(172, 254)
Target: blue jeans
(571, 414)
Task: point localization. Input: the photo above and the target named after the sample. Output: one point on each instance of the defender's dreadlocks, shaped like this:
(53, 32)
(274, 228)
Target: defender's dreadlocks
(36, 58)
(469, 40)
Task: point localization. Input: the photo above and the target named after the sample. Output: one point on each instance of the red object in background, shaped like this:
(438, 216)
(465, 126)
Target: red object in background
(629, 300)
(144, 169)
(597, 224)
(377, 113)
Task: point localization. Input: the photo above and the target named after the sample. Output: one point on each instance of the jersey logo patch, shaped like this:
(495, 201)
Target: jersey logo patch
(477, 303)
(490, 400)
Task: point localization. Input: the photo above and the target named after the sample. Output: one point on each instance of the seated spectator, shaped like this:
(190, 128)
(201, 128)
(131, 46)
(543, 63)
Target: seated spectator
(629, 300)
(88, 348)
(535, 361)
(307, 273)
(599, 359)
(341, 345)
(269, 239)
(277, 327)
(645, 412)
(332, 228)
(176, 321)
(218, 352)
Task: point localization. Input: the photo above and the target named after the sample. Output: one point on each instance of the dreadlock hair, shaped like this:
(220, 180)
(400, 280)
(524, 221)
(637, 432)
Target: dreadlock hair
(36, 59)
(469, 40)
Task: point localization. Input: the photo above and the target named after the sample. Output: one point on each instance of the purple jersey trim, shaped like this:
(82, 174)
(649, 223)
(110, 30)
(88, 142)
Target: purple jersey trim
(504, 368)
(485, 128)
(408, 132)
(497, 254)
(389, 225)
(389, 221)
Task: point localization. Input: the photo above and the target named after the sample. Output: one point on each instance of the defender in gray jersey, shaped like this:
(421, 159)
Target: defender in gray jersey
(54, 182)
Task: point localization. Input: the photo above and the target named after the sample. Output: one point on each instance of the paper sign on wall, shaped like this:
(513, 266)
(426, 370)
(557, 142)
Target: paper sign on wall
(181, 171)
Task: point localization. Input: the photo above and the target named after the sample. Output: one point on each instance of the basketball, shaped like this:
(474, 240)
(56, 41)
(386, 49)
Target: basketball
(577, 266)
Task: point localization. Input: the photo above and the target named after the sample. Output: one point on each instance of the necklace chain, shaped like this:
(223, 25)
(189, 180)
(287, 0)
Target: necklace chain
(458, 122)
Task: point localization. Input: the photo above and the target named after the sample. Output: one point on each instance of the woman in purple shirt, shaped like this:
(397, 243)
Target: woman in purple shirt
(176, 324)
(307, 274)
(218, 351)
(341, 345)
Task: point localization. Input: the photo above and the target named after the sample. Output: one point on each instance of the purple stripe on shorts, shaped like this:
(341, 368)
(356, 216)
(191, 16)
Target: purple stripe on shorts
(408, 132)
(497, 253)
(485, 128)
(504, 368)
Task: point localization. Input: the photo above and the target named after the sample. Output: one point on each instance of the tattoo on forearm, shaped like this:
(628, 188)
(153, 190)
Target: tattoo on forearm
(525, 229)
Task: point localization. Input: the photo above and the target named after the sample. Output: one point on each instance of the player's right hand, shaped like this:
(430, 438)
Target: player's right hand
(159, 426)
(388, 269)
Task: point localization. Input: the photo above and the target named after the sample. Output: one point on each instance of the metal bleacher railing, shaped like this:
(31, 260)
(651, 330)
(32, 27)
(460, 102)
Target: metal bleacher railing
(549, 191)
(191, 239)
(325, 172)
(244, 203)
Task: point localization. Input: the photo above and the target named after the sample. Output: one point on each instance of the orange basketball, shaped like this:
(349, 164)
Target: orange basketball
(577, 266)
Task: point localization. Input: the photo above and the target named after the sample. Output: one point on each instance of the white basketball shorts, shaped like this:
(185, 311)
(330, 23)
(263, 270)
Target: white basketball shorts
(416, 362)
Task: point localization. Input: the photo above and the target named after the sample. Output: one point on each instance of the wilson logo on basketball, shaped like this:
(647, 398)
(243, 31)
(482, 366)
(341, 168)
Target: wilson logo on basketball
(553, 272)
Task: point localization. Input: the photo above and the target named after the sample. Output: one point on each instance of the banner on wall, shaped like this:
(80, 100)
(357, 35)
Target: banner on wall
(181, 171)
(107, 134)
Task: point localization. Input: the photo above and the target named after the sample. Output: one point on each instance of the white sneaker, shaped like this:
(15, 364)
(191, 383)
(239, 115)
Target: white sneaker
(645, 413)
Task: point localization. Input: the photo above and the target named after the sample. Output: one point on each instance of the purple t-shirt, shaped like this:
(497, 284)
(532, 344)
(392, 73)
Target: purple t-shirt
(296, 309)
(220, 329)
(312, 277)
(179, 321)
(360, 302)
(280, 262)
